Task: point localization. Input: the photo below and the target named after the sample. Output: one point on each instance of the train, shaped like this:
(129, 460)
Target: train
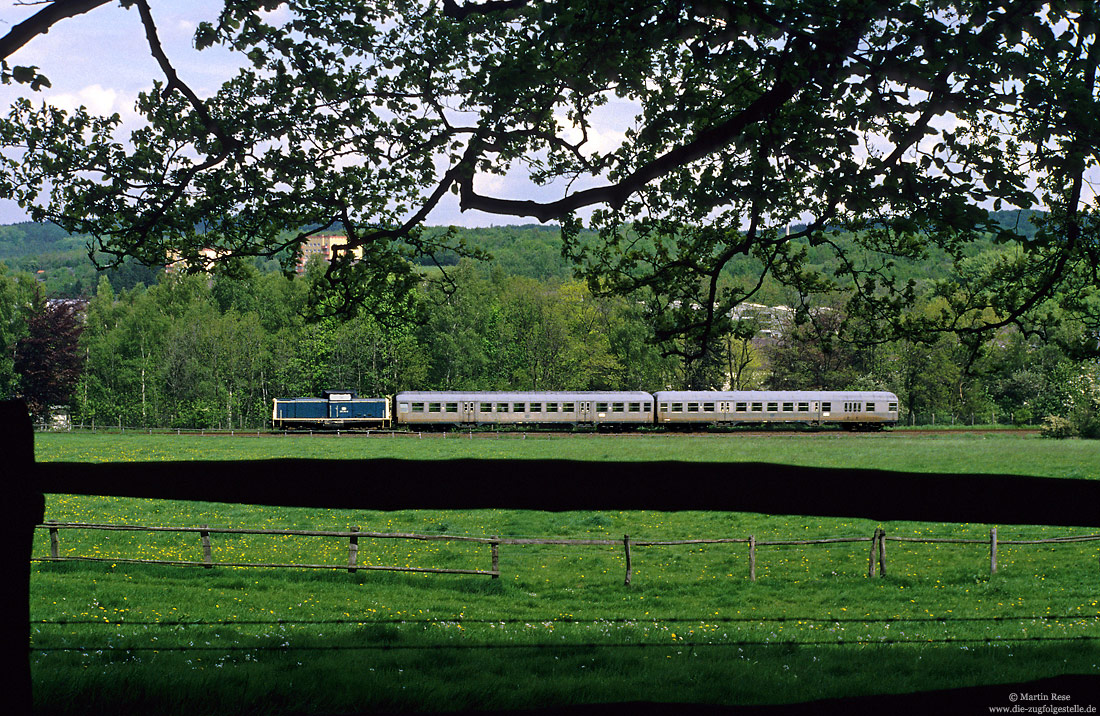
(427, 409)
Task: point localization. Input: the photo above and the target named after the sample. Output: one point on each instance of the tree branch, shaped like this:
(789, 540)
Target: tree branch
(175, 83)
(41, 22)
(460, 12)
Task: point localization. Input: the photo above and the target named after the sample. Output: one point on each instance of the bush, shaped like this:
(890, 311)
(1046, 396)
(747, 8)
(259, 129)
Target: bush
(1057, 427)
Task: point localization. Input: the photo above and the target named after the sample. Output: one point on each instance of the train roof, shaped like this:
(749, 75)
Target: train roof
(749, 395)
(516, 396)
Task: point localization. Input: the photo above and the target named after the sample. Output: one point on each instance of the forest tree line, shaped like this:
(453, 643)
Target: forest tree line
(195, 351)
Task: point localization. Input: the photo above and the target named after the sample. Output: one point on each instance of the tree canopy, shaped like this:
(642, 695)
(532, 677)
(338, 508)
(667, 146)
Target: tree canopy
(903, 123)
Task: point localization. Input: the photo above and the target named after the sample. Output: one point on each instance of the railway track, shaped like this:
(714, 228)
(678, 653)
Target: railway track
(546, 434)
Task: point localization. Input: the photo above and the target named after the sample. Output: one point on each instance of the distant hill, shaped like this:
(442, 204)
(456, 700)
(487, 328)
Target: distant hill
(531, 250)
(28, 237)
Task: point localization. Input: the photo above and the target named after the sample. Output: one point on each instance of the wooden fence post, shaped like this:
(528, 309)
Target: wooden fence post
(55, 546)
(871, 559)
(626, 546)
(752, 558)
(353, 549)
(881, 552)
(495, 546)
(207, 561)
(992, 550)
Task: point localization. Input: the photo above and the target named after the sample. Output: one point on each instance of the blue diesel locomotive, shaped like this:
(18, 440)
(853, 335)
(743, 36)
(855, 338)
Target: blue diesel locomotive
(335, 409)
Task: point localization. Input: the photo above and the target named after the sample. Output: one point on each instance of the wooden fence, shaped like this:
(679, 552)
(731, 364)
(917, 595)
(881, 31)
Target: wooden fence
(876, 561)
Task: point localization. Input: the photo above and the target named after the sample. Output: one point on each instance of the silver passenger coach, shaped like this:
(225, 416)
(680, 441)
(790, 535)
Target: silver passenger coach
(523, 408)
(850, 409)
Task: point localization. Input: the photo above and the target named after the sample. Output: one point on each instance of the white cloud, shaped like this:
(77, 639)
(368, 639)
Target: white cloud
(96, 98)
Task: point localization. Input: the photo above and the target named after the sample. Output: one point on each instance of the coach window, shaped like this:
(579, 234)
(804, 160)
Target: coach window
(518, 407)
(536, 407)
(693, 407)
(435, 407)
(486, 408)
(757, 407)
(502, 407)
(826, 407)
(870, 407)
(635, 408)
(803, 407)
(893, 407)
(402, 407)
(788, 407)
(677, 407)
(773, 407)
(618, 407)
(418, 407)
(708, 407)
(601, 407)
(568, 407)
(452, 407)
(551, 407)
(740, 407)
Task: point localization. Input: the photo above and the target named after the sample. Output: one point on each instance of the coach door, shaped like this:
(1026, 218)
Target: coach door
(584, 412)
(468, 411)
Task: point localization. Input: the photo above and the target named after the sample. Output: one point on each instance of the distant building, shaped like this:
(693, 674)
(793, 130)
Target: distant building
(177, 263)
(772, 319)
(322, 245)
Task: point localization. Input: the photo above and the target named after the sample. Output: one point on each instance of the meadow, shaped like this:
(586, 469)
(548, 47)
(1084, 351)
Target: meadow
(947, 451)
(558, 627)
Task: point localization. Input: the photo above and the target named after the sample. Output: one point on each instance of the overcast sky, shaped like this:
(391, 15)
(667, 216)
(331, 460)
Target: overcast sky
(101, 60)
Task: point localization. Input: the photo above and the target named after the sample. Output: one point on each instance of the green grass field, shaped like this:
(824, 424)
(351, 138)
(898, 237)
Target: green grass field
(1004, 452)
(559, 626)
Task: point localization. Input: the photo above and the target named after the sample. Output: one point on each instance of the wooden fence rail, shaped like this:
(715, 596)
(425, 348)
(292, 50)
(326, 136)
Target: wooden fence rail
(876, 562)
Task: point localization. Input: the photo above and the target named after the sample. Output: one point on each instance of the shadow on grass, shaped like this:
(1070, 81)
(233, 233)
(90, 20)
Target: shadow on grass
(379, 670)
